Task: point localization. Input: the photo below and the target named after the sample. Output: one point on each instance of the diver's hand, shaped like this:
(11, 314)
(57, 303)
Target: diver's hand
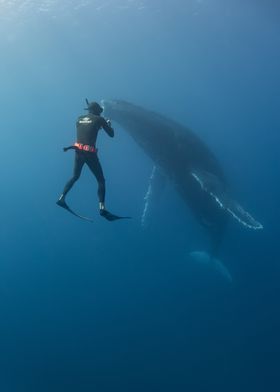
(109, 123)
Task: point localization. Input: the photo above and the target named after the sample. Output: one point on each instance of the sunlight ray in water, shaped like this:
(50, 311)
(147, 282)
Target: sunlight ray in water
(18, 8)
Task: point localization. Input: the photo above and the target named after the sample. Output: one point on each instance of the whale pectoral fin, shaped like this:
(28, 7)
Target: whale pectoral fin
(210, 184)
(243, 216)
(157, 182)
(237, 212)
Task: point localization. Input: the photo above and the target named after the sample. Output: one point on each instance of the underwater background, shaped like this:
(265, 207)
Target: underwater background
(112, 306)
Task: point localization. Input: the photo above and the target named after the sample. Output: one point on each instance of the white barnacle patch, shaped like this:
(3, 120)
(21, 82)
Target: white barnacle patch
(198, 180)
(217, 200)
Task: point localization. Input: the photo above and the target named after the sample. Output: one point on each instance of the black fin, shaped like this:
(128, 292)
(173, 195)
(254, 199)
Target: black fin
(62, 203)
(111, 217)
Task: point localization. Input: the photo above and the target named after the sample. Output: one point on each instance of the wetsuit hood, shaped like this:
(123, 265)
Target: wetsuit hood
(94, 108)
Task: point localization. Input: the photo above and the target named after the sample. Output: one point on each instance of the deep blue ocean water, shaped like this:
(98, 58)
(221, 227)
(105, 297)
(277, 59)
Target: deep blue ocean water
(110, 307)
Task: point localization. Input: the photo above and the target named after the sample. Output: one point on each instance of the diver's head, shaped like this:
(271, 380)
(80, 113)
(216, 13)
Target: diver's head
(94, 108)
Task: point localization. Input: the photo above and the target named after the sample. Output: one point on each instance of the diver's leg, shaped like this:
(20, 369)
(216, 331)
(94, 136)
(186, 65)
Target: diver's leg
(95, 167)
(78, 165)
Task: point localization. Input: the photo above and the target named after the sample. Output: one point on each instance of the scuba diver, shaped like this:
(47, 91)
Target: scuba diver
(87, 127)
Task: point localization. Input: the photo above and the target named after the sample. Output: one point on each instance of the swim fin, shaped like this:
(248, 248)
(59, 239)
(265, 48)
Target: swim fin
(62, 203)
(111, 217)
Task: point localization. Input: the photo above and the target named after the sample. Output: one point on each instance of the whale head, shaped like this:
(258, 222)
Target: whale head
(118, 110)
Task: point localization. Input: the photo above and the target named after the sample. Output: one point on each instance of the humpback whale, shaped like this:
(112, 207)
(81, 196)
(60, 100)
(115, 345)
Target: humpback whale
(189, 164)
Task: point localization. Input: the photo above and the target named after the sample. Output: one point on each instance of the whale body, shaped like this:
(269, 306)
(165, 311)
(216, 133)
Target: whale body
(185, 159)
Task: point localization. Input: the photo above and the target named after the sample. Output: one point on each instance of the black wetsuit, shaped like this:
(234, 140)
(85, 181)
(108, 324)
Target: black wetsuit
(87, 127)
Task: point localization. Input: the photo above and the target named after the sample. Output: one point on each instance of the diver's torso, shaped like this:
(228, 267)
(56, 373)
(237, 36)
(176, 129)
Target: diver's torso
(87, 127)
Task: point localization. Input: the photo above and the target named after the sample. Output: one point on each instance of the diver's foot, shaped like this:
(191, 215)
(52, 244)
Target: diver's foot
(107, 215)
(62, 203)
(101, 206)
(103, 212)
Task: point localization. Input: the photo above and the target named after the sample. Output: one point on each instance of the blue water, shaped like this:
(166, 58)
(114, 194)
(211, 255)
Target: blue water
(112, 307)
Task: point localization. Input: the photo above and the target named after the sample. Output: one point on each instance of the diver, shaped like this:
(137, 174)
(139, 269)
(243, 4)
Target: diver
(87, 128)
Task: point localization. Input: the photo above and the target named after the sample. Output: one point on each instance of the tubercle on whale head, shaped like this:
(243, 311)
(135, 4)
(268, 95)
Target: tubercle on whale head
(114, 107)
(109, 107)
(112, 103)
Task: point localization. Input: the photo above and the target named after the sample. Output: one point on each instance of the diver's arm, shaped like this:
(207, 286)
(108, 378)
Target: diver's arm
(106, 125)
